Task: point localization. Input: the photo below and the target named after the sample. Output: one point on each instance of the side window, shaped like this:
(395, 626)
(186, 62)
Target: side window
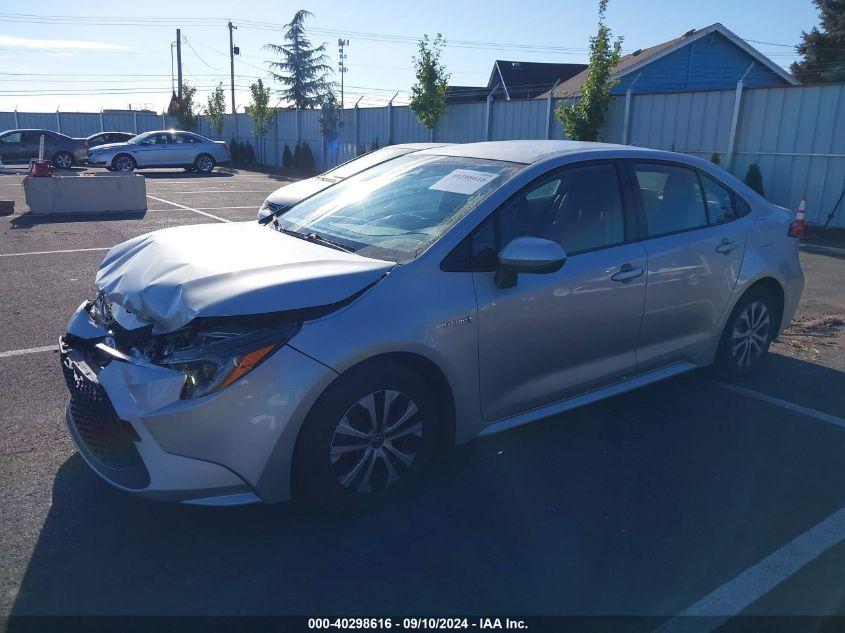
(98, 140)
(719, 201)
(581, 209)
(185, 138)
(671, 198)
(13, 137)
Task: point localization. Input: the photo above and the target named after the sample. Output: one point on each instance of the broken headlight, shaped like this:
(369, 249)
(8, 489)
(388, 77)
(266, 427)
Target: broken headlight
(214, 358)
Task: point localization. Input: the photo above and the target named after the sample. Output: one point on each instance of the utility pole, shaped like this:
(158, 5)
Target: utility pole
(179, 60)
(341, 64)
(232, 52)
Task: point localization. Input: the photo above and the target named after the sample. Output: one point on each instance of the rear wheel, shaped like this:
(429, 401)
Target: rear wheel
(371, 433)
(124, 163)
(63, 160)
(204, 164)
(747, 336)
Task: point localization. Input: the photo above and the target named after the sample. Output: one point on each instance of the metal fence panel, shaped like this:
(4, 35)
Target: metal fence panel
(796, 134)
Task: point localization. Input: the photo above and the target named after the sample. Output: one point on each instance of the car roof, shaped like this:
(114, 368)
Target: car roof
(418, 146)
(525, 152)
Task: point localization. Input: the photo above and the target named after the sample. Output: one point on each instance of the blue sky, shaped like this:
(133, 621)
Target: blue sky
(83, 56)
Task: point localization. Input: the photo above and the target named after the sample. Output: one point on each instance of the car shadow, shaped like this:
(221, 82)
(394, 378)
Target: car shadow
(29, 220)
(154, 175)
(640, 504)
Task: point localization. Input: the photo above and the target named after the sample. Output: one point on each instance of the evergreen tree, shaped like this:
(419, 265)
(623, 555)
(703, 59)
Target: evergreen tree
(303, 69)
(823, 50)
(754, 178)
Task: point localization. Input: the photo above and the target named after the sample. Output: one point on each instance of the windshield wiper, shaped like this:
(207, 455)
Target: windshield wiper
(316, 238)
(319, 239)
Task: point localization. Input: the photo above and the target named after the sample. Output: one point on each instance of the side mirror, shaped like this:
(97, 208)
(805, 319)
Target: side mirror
(528, 255)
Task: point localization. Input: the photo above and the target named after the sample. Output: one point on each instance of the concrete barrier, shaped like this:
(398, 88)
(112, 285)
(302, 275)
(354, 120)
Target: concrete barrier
(89, 193)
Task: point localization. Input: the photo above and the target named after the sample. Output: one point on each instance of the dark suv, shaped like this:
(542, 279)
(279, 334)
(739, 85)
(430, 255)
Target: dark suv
(21, 146)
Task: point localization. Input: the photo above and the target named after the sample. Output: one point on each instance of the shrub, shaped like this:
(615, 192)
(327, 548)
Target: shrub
(248, 154)
(235, 150)
(754, 178)
(307, 157)
(287, 158)
(374, 145)
(297, 156)
(715, 159)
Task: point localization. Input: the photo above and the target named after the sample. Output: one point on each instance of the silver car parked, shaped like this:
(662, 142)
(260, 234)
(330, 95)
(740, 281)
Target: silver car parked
(162, 148)
(285, 197)
(450, 293)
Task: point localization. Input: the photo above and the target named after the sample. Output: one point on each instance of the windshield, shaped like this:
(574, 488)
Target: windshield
(397, 209)
(139, 138)
(357, 165)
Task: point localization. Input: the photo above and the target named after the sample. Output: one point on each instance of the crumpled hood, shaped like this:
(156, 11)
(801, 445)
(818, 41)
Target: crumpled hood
(171, 276)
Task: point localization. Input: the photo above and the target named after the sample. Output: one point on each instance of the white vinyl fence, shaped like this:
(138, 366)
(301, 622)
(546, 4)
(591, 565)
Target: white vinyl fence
(796, 134)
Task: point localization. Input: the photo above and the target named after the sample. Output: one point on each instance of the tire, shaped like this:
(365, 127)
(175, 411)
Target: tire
(62, 160)
(123, 163)
(748, 333)
(343, 461)
(204, 164)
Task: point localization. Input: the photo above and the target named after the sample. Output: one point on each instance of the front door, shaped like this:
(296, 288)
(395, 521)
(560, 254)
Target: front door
(11, 145)
(557, 334)
(695, 245)
(154, 150)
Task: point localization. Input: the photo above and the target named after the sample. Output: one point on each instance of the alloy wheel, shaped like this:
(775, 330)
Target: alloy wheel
(123, 163)
(205, 164)
(376, 441)
(751, 334)
(63, 160)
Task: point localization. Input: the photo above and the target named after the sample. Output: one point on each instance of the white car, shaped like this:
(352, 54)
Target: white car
(162, 148)
(285, 197)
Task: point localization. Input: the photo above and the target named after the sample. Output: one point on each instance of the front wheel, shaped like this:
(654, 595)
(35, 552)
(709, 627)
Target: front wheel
(63, 160)
(370, 434)
(123, 163)
(204, 164)
(747, 336)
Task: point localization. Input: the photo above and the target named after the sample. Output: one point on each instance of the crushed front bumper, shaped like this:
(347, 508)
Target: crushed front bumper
(129, 423)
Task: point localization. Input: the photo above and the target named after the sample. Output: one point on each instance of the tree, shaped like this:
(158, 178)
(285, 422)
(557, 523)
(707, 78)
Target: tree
(329, 115)
(303, 70)
(583, 121)
(823, 51)
(215, 111)
(183, 109)
(754, 178)
(261, 114)
(428, 94)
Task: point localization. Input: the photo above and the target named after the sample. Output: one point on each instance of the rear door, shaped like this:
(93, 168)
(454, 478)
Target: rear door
(183, 151)
(695, 247)
(557, 334)
(10, 147)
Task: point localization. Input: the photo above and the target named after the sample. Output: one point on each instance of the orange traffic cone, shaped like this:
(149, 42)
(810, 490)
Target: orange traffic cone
(799, 226)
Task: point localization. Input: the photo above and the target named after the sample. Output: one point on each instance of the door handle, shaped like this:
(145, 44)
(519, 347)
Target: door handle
(726, 246)
(627, 273)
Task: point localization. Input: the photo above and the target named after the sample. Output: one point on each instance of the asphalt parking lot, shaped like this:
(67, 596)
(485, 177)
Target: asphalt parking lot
(687, 497)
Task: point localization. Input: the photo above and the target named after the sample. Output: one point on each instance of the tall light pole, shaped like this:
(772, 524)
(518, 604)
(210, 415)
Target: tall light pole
(341, 64)
(233, 50)
(179, 61)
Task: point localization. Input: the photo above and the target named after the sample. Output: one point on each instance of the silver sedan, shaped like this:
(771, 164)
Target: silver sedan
(162, 148)
(443, 295)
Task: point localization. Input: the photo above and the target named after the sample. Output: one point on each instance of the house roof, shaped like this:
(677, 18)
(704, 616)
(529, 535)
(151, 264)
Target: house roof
(533, 77)
(466, 94)
(638, 59)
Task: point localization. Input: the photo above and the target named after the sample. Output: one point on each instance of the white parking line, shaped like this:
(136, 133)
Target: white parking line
(819, 415)
(69, 250)
(736, 595)
(182, 206)
(824, 249)
(29, 350)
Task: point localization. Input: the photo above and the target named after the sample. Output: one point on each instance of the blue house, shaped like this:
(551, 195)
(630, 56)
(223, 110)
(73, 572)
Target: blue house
(712, 58)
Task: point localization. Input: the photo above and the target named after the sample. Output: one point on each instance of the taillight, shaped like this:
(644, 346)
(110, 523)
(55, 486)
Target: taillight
(796, 231)
(84, 144)
(226, 145)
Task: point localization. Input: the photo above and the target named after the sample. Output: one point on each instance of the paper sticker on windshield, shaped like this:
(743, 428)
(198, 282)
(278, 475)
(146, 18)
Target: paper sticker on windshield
(465, 181)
